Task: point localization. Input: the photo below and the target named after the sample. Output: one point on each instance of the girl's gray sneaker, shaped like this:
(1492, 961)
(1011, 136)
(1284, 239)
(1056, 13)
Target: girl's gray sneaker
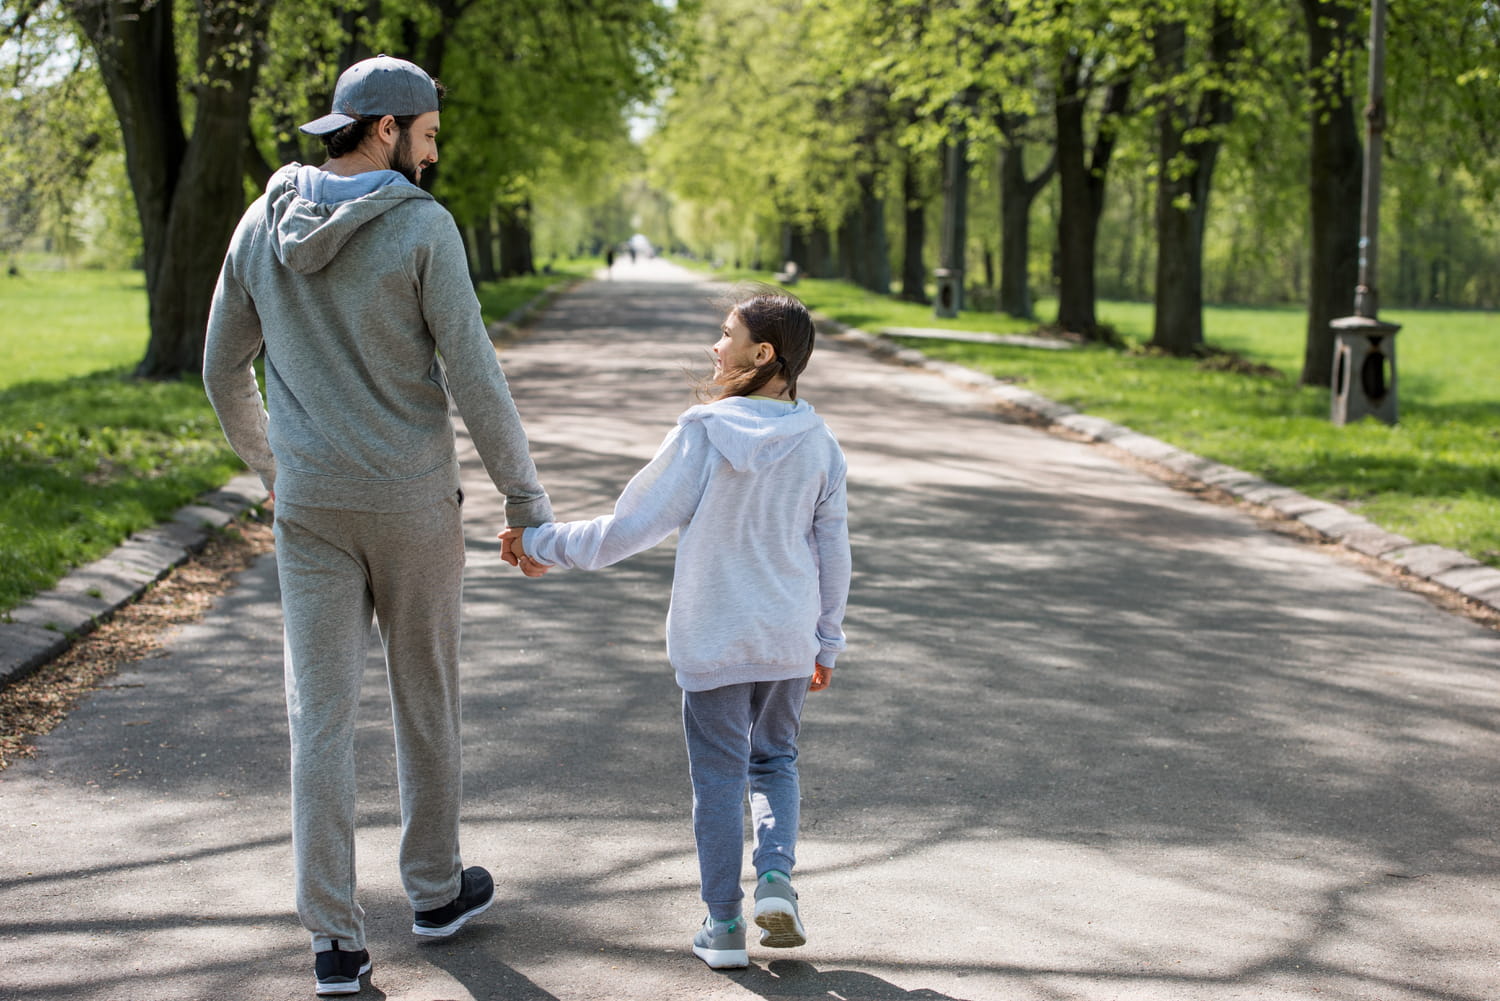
(721, 944)
(776, 913)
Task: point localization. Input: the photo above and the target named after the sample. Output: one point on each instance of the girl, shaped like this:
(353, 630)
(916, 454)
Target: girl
(754, 482)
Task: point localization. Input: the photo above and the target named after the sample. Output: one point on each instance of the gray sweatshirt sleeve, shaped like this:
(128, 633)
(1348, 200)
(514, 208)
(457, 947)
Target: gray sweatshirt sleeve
(656, 502)
(475, 380)
(229, 352)
(835, 567)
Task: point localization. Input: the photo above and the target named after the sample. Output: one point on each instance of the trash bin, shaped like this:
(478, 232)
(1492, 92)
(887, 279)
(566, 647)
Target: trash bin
(1364, 370)
(950, 287)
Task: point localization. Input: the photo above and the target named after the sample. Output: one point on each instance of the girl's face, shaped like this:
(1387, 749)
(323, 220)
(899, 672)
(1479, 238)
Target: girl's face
(735, 351)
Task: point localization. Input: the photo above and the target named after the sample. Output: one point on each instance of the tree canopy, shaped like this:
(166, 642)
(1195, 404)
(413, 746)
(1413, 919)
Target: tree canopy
(1176, 150)
(206, 97)
(1205, 149)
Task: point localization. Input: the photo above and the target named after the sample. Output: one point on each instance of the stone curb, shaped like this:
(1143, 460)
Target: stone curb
(44, 627)
(1446, 568)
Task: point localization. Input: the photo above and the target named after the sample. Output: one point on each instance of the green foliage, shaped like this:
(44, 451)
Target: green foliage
(772, 124)
(1434, 477)
(1445, 83)
(786, 82)
(542, 104)
(56, 125)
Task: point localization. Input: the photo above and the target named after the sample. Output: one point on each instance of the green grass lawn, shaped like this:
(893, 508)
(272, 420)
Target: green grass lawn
(1434, 477)
(59, 324)
(88, 454)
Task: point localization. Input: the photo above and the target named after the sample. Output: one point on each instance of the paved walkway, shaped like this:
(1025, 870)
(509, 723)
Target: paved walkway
(1093, 739)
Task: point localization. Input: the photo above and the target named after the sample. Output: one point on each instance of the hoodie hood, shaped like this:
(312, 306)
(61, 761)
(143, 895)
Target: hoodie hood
(753, 433)
(313, 213)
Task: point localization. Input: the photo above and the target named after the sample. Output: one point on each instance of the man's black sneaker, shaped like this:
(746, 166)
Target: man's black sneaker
(338, 972)
(476, 891)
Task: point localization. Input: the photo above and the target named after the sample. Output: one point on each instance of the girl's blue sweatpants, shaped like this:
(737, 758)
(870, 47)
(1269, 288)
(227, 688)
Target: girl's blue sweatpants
(743, 737)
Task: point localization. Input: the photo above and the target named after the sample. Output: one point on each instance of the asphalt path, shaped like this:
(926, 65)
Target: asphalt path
(1093, 738)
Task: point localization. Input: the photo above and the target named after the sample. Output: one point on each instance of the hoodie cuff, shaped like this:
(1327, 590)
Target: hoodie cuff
(528, 540)
(535, 510)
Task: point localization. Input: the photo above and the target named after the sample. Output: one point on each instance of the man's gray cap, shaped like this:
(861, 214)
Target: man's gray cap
(381, 85)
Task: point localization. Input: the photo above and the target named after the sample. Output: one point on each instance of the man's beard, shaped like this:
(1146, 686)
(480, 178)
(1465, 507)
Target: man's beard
(402, 161)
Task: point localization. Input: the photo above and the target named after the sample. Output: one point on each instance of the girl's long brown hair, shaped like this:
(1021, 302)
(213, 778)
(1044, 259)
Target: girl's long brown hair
(775, 317)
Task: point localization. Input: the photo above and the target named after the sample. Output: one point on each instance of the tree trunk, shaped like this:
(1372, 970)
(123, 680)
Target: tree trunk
(955, 234)
(428, 45)
(874, 271)
(795, 247)
(1184, 177)
(810, 247)
(851, 264)
(1076, 230)
(914, 216)
(1335, 178)
(257, 171)
(188, 191)
(819, 253)
(1015, 234)
(515, 241)
(1178, 327)
(1017, 195)
(484, 249)
(1081, 178)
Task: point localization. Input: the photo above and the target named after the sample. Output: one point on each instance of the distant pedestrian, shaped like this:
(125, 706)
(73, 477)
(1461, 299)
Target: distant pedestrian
(354, 281)
(609, 261)
(755, 483)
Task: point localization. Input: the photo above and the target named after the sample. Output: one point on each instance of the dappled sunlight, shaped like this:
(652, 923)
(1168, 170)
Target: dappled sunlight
(1092, 738)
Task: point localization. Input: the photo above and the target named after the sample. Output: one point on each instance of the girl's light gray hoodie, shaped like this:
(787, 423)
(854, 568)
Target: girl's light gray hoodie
(757, 489)
(354, 285)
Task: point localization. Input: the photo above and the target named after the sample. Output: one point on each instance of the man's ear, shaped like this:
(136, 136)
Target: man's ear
(388, 130)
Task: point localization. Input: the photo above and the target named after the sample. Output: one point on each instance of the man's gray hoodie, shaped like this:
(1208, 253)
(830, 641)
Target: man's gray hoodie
(354, 286)
(757, 489)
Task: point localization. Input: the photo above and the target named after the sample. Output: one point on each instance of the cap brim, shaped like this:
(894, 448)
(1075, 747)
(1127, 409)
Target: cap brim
(326, 124)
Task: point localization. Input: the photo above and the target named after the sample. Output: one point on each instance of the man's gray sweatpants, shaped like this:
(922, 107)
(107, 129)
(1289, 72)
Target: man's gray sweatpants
(337, 569)
(739, 737)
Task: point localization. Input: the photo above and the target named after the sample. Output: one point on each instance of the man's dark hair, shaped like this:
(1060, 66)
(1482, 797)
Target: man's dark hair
(347, 139)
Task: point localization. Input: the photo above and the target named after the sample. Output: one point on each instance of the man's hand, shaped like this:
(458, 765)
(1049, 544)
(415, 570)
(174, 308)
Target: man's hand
(511, 549)
(513, 552)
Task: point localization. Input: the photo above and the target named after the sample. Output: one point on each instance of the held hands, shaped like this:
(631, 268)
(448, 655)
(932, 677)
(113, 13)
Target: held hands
(512, 552)
(821, 679)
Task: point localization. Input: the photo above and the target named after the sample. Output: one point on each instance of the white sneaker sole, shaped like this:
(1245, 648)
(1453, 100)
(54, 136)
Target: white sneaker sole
(780, 926)
(723, 959)
(455, 924)
(343, 986)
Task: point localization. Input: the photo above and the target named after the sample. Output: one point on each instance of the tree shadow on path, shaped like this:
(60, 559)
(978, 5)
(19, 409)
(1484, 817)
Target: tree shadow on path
(794, 978)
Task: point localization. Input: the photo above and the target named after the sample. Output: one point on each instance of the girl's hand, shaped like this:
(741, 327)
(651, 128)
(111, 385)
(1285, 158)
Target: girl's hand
(821, 679)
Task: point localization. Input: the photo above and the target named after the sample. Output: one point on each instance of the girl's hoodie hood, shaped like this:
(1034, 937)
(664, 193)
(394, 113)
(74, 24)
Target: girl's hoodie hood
(752, 433)
(313, 213)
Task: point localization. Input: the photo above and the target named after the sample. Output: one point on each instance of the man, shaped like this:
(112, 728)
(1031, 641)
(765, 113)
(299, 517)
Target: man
(355, 281)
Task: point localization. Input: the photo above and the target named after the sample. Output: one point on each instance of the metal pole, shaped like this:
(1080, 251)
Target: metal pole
(1366, 296)
(1364, 354)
